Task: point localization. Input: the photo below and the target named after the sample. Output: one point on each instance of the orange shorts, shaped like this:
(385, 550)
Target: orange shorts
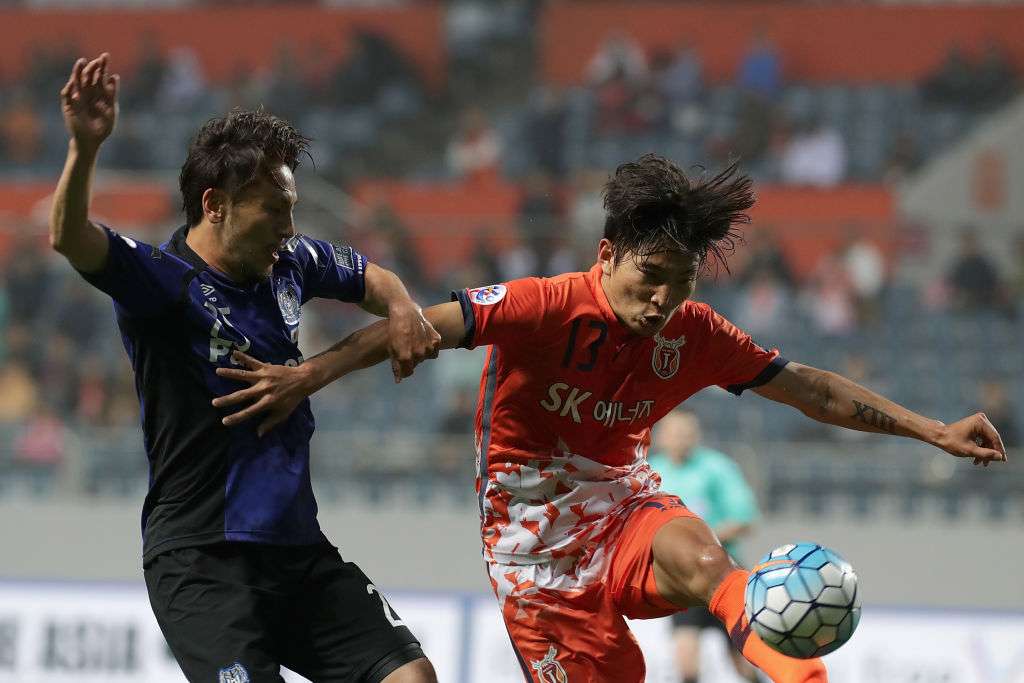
(582, 636)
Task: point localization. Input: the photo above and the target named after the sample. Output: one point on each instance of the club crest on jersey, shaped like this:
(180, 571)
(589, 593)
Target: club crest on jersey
(485, 296)
(235, 673)
(288, 301)
(548, 670)
(665, 359)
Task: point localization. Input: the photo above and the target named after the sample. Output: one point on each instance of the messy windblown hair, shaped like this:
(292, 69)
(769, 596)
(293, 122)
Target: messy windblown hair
(229, 152)
(652, 206)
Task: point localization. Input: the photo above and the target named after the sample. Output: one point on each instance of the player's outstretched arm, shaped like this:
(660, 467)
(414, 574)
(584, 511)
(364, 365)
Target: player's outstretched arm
(834, 399)
(89, 104)
(276, 390)
(411, 338)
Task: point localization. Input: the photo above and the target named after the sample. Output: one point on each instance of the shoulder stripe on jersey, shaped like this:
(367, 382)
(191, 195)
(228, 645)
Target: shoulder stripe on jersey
(485, 422)
(468, 317)
(310, 249)
(763, 377)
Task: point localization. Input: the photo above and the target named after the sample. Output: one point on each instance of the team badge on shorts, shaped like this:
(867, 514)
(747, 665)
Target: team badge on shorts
(235, 673)
(486, 296)
(548, 670)
(665, 359)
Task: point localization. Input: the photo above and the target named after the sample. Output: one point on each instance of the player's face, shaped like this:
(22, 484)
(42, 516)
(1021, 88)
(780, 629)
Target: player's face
(645, 293)
(259, 221)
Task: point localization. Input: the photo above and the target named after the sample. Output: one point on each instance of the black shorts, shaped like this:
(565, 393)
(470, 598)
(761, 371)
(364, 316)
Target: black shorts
(238, 611)
(699, 618)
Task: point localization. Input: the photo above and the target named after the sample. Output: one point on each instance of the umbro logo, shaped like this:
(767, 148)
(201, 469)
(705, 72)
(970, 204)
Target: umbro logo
(207, 289)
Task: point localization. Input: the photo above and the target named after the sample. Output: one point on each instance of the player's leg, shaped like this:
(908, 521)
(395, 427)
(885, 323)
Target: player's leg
(580, 638)
(691, 568)
(344, 629)
(216, 615)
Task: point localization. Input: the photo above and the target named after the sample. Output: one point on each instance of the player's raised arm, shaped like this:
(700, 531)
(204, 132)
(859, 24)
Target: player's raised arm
(89, 105)
(277, 389)
(834, 399)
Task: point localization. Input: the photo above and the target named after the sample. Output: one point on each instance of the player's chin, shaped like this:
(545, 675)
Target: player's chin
(646, 327)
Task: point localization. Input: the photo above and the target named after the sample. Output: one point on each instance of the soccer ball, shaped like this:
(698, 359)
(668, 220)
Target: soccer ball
(802, 600)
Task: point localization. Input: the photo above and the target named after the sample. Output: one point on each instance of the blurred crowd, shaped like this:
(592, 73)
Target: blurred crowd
(66, 388)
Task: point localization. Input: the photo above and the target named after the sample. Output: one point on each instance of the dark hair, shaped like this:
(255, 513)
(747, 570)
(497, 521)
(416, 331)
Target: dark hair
(653, 206)
(230, 151)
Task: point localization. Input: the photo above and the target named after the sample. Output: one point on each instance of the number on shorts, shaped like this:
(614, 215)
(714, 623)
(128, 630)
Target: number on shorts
(389, 613)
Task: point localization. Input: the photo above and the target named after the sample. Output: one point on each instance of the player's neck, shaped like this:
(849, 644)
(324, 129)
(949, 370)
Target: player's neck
(205, 241)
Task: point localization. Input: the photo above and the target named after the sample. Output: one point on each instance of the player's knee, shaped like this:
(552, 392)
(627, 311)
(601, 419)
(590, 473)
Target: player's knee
(693, 571)
(711, 565)
(815, 672)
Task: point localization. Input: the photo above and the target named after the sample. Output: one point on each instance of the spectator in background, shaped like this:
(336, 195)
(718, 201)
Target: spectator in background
(586, 213)
(183, 85)
(40, 445)
(27, 280)
(763, 253)
(80, 314)
(972, 278)
(996, 405)
(681, 81)
(829, 299)
(815, 155)
(1017, 282)
(764, 303)
(475, 151)
(761, 69)
(545, 131)
(143, 88)
(21, 131)
(19, 394)
(286, 86)
(865, 268)
(903, 158)
(711, 485)
(620, 57)
(952, 83)
(995, 79)
(398, 253)
(539, 219)
(373, 65)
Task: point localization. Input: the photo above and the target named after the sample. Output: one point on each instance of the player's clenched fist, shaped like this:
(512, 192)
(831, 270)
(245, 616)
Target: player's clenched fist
(411, 340)
(89, 102)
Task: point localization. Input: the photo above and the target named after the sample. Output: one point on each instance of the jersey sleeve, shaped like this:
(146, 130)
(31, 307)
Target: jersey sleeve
(504, 313)
(734, 499)
(734, 361)
(140, 278)
(330, 270)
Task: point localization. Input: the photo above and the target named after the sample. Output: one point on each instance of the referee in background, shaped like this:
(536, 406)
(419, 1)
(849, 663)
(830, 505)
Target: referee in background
(712, 485)
(241, 578)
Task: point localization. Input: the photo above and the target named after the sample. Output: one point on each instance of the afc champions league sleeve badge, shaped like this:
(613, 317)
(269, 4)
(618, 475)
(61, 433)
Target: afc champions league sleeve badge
(665, 358)
(485, 296)
(548, 670)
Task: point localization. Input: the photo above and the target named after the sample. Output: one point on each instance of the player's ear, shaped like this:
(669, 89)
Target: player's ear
(605, 255)
(214, 205)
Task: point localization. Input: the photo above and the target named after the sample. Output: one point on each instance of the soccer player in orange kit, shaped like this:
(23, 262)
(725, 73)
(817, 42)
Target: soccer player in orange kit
(576, 533)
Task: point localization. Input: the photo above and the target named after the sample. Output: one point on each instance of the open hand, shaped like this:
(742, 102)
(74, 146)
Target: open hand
(275, 390)
(411, 340)
(89, 102)
(973, 437)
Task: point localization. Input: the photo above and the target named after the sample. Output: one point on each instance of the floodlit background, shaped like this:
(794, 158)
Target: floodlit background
(465, 143)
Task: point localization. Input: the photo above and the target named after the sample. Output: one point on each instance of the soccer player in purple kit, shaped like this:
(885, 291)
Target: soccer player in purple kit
(241, 578)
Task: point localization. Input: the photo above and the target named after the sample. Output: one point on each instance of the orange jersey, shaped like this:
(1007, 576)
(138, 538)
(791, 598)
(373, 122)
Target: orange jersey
(568, 397)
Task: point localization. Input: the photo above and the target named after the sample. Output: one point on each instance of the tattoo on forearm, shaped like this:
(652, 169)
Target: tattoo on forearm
(874, 417)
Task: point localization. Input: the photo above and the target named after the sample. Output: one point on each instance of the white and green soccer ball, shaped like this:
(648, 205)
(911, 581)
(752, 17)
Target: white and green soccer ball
(802, 600)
